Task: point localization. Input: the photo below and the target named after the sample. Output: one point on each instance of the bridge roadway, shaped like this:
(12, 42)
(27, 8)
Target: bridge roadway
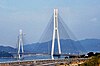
(26, 53)
(44, 62)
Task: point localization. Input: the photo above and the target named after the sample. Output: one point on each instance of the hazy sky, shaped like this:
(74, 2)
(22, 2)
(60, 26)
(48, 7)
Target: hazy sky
(32, 16)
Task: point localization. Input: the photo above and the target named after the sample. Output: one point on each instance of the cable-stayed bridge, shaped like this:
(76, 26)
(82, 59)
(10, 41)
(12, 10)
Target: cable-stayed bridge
(55, 32)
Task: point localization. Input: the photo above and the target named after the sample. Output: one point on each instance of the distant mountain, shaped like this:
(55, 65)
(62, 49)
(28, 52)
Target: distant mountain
(5, 54)
(67, 46)
(7, 49)
(91, 44)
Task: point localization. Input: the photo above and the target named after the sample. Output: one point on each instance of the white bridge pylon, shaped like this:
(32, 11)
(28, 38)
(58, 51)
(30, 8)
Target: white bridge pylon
(55, 33)
(20, 44)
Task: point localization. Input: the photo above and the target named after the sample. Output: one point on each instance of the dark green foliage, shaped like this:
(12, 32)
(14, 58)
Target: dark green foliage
(95, 61)
(90, 54)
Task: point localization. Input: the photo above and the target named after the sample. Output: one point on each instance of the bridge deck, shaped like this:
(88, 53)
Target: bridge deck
(64, 54)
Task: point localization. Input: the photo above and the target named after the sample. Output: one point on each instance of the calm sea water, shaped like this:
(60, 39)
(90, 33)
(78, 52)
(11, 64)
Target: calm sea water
(25, 58)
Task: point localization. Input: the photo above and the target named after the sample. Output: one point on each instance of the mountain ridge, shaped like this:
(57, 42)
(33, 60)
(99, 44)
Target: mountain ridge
(67, 46)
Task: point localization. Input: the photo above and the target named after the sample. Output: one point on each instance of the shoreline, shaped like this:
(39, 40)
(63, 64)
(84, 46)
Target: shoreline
(44, 62)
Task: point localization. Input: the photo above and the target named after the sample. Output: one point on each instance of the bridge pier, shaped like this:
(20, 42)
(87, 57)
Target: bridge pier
(20, 45)
(55, 34)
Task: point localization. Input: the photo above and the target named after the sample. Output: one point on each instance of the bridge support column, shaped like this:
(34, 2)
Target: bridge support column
(20, 44)
(55, 34)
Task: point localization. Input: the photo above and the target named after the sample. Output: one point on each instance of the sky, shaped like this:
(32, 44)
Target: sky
(32, 16)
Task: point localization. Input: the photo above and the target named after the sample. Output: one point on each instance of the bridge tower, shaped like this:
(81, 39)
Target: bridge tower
(55, 33)
(20, 44)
